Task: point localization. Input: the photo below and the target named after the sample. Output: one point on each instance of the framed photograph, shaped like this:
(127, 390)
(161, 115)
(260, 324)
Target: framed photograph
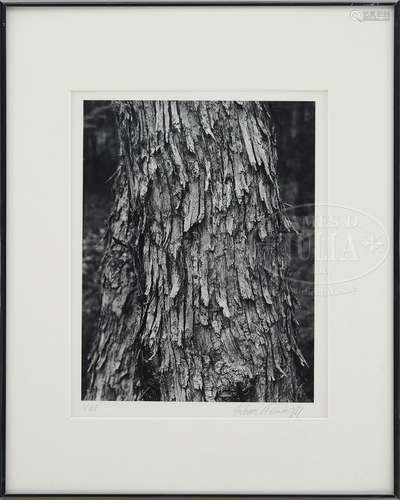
(199, 248)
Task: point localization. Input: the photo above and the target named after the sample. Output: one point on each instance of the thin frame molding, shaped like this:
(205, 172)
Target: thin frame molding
(396, 228)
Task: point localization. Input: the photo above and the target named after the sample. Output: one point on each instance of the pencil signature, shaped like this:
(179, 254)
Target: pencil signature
(272, 410)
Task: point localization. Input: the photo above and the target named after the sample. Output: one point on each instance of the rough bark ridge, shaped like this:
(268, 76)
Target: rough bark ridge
(195, 304)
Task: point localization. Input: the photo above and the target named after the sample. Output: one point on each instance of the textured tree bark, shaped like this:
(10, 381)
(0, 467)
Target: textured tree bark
(195, 304)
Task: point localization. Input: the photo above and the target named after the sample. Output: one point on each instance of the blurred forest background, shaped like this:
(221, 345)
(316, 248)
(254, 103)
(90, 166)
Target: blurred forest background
(295, 125)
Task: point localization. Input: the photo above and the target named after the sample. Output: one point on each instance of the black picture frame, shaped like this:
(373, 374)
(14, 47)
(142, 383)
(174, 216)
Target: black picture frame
(3, 222)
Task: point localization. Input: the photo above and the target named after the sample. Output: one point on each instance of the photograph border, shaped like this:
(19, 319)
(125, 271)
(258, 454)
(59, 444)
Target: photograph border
(396, 220)
(231, 410)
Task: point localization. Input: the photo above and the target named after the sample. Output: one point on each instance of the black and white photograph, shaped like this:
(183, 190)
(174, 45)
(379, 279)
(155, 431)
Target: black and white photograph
(199, 259)
(198, 251)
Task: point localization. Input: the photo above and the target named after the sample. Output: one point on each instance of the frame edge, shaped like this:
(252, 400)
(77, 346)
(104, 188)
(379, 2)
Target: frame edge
(3, 245)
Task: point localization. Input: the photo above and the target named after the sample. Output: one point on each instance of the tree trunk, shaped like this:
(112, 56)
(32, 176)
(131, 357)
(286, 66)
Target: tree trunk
(195, 304)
